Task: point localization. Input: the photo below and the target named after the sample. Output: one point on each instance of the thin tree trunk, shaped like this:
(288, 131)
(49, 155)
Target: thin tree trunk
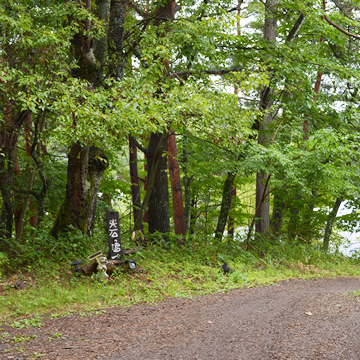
(35, 149)
(159, 217)
(8, 138)
(27, 200)
(277, 214)
(263, 216)
(293, 221)
(18, 200)
(33, 219)
(192, 216)
(293, 224)
(176, 190)
(225, 205)
(187, 189)
(330, 222)
(24, 208)
(134, 178)
(231, 221)
(146, 213)
(266, 102)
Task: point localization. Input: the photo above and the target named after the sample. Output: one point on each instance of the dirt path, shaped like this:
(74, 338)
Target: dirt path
(298, 319)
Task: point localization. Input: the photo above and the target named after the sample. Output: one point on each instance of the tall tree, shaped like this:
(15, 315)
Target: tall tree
(86, 163)
(176, 189)
(266, 102)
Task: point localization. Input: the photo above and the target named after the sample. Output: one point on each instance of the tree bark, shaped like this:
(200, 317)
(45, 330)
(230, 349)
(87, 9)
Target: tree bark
(102, 11)
(86, 166)
(158, 209)
(39, 124)
(231, 221)
(27, 200)
(176, 190)
(263, 216)
(9, 131)
(151, 179)
(116, 37)
(266, 102)
(225, 205)
(330, 222)
(134, 178)
(159, 217)
(277, 214)
(293, 220)
(187, 189)
(146, 213)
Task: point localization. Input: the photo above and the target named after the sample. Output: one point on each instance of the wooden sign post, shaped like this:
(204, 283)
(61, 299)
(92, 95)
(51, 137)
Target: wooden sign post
(113, 226)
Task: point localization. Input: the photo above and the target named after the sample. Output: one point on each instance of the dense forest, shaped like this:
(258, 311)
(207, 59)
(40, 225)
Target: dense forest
(216, 120)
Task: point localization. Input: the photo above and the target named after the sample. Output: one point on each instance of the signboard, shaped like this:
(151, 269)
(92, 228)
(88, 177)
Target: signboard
(113, 226)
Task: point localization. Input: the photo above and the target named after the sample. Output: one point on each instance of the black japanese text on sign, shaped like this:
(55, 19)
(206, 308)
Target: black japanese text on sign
(114, 234)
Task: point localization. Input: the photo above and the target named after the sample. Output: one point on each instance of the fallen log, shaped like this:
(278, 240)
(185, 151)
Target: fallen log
(113, 265)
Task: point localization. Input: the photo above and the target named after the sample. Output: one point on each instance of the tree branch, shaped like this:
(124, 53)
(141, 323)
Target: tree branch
(340, 28)
(211, 72)
(138, 145)
(131, 5)
(295, 29)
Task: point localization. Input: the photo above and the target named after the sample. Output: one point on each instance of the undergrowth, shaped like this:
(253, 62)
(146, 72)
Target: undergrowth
(167, 272)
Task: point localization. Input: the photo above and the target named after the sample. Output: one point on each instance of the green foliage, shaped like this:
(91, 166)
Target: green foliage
(194, 271)
(39, 250)
(4, 263)
(34, 321)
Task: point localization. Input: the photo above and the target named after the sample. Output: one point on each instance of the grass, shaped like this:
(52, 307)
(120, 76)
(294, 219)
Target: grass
(190, 272)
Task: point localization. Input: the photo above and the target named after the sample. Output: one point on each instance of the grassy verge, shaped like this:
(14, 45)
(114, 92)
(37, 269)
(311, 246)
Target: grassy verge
(189, 272)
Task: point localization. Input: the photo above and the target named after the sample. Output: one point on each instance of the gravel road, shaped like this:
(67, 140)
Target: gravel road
(297, 319)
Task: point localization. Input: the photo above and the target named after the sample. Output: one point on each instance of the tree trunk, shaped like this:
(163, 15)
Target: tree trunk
(277, 214)
(28, 199)
(146, 213)
(187, 189)
(159, 217)
(231, 221)
(266, 102)
(193, 205)
(18, 200)
(134, 178)
(116, 37)
(151, 179)
(176, 190)
(33, 211)
(263, 216)
(225, 205)
(102, 11)
(293, 220)
(86, 166)
(330, 222)
(9, 130)
(39, 124)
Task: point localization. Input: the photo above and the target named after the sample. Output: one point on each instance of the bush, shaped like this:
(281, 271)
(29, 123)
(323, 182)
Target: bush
(4, 264)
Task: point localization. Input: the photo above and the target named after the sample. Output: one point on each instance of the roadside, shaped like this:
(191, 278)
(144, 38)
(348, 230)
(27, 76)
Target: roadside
(297, 319)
